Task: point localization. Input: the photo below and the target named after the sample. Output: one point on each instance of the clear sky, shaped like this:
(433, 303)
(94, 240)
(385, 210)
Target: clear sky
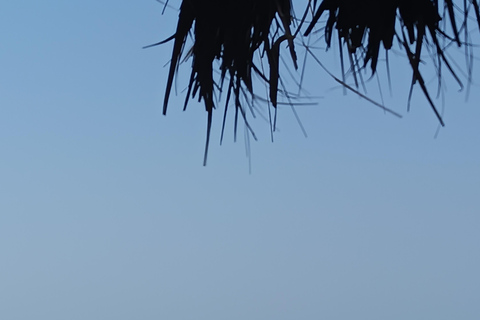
(106, 211)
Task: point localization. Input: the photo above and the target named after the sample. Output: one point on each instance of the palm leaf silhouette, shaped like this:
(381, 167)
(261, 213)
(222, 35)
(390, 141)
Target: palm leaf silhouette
(232, 31)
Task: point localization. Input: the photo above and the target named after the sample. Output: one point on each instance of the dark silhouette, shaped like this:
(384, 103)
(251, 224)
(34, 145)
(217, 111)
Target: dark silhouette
(232, 31)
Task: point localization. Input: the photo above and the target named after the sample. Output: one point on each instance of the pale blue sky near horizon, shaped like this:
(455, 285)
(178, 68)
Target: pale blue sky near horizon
(106, 211)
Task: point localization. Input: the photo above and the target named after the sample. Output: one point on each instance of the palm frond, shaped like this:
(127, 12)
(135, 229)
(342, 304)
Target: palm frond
(366, 25)
(228, 33)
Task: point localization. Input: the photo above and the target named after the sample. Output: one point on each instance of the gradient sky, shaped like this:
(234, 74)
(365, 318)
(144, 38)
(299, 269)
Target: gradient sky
(106, 211)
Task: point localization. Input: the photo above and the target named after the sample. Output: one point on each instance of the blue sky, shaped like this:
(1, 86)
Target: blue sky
(108, 213)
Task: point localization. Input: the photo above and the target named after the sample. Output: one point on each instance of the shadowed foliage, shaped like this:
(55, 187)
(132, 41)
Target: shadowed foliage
(419, 20)
(232, 31)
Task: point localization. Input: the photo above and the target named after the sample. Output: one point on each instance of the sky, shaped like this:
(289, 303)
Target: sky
(106, 211)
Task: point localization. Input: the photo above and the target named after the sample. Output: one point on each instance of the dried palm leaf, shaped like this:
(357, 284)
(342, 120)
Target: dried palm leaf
(230, 31)
(354, 20)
